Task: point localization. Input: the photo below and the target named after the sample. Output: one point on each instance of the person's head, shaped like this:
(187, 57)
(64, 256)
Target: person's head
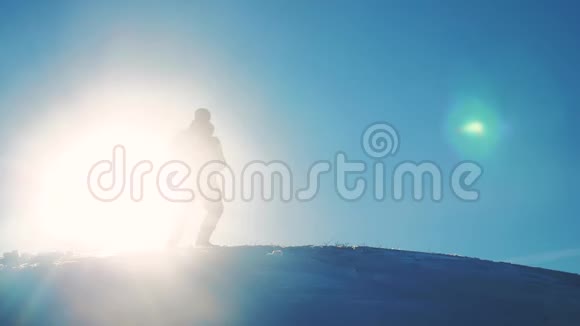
(202, 114)
(201, 124)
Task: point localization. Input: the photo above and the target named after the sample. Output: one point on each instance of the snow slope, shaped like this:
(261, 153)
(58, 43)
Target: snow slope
(286, 286)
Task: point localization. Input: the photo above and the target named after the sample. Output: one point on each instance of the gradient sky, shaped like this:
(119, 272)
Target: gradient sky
(300, 80)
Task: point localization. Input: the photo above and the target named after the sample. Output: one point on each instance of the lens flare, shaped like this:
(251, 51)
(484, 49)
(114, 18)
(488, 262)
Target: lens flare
(473, 127)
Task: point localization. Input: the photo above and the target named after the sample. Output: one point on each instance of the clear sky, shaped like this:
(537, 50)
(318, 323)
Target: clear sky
(300, 80)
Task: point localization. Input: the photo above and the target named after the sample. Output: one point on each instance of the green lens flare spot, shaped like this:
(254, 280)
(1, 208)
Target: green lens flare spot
(473, 127)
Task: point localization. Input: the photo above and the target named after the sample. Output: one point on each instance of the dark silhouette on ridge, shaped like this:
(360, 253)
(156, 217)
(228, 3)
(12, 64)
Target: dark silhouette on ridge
(198, 145)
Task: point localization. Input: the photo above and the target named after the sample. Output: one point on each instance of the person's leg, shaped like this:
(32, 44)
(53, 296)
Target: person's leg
(214, 211)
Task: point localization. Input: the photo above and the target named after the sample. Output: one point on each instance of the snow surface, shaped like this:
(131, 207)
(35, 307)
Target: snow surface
(284, 286)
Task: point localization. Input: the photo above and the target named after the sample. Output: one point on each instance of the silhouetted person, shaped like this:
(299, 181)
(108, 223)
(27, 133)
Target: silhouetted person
(198, 146)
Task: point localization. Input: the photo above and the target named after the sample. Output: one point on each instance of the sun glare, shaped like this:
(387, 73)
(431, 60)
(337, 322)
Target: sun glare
(50, 182)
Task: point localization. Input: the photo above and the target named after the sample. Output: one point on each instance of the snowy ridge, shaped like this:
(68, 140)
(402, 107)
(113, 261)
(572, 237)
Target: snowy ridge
(263, 285)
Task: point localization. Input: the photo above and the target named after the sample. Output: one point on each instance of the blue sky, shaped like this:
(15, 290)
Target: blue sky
(300, 80)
